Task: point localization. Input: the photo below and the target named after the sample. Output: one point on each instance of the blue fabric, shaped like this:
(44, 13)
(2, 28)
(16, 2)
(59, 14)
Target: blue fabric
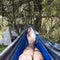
(43, 50)
(23, 44)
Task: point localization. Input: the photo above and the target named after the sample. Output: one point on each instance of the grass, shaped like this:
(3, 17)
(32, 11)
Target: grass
(2, 47)
(0, 34)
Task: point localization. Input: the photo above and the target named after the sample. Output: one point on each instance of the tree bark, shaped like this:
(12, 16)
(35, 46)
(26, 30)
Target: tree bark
(39, 18)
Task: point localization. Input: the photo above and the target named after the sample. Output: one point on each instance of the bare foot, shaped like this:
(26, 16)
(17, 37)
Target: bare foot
(28, 52)
(31, 36)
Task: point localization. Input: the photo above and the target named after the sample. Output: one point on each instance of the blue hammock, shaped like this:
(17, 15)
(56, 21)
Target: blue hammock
(49, 50)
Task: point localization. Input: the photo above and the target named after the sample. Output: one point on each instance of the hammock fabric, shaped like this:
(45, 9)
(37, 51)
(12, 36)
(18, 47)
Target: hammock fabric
(49, 50)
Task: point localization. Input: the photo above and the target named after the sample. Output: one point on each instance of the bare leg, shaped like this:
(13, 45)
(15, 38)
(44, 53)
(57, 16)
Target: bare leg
(28, 52)
(37, 55)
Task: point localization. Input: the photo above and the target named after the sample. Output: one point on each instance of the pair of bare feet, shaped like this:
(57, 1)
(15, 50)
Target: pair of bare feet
(31, 53)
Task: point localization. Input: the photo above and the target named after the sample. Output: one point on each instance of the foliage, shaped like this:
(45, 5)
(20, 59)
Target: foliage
(44, 15)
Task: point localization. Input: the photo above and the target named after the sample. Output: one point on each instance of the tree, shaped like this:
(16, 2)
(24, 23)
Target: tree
(24, 12)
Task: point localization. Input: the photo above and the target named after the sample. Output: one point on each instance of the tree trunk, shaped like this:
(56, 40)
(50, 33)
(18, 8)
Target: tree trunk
(38, 18)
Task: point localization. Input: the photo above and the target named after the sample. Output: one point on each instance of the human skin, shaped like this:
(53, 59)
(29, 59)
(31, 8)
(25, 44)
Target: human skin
(31, 53)
(37, 55)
